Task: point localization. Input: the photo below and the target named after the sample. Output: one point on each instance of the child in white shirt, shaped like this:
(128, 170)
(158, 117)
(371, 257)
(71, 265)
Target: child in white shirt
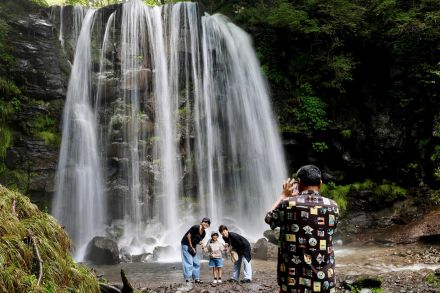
(215, 248)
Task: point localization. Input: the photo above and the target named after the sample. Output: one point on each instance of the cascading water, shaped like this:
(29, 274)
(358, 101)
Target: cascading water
(79, 203)
(185, 129)
(239, 154)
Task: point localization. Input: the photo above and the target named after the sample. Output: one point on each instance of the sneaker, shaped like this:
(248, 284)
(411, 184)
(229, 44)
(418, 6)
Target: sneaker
(232, 280)
(215, 281)
(219, 281)
(198, 281)
(245, 281)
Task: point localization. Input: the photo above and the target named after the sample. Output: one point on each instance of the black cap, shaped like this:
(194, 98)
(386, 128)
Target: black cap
(206, 220)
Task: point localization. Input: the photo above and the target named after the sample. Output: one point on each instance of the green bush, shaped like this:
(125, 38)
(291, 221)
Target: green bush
(338, 193)
(5, 141)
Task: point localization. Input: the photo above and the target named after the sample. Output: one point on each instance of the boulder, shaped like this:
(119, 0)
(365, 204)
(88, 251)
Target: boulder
(160, 251)
(361, 282)
(260, 249)
(272, 251)
(125, 254)
(272, 236)
(102, 251)
(143, 257)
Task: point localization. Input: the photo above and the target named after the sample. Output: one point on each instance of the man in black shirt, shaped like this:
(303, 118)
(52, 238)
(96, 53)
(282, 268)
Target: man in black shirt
(190, 259)
(243, 249)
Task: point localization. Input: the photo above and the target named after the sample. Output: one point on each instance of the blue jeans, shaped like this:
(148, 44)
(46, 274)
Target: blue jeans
(247, 268)
(190, 264)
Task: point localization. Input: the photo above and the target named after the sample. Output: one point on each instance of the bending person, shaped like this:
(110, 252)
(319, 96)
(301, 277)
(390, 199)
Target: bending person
(190, 259)
(243, 249)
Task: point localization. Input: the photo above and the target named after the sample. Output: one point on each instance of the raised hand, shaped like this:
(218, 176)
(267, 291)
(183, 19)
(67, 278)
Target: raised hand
(289, 187)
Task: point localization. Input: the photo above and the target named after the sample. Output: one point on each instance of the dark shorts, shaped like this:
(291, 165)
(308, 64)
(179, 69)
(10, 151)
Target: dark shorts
(215, 262)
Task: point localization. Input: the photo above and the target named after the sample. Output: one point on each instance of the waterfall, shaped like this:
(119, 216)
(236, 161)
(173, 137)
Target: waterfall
(61, 35)
(79, 200)
(174, 120)
(239, 155)
(78, 17)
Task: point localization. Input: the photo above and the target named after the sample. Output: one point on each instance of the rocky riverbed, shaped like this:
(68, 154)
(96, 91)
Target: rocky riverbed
(401, 268)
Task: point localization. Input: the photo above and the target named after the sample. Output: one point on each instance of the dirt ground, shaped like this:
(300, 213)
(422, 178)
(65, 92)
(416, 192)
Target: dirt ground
(404, 268)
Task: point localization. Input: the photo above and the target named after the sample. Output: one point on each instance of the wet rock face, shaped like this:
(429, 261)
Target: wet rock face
(41, 72)
(102, 251)
(41, 62)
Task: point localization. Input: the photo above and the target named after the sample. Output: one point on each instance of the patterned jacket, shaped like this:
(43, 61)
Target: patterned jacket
(306, 261)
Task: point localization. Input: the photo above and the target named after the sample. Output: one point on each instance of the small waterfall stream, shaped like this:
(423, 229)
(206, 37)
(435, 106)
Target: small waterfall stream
(167, 119)
(79, 201)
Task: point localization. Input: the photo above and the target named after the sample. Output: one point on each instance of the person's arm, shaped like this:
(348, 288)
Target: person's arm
(188, 236)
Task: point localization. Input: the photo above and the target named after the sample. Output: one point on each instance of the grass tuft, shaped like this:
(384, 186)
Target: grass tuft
(18, 262)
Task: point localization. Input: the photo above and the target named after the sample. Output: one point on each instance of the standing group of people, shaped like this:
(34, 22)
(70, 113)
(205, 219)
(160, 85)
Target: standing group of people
(307, 223)
(238, 246)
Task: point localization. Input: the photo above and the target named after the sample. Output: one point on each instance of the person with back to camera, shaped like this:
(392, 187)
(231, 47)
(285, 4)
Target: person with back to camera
(243, 249)
(190, 259)
(307, 222)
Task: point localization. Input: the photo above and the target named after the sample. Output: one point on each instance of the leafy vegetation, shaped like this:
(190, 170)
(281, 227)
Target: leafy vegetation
(19, 266)
(333, 66)
(340, 193)
(432, 279)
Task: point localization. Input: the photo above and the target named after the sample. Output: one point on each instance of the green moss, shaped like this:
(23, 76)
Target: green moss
(19, 264)
(49, 138)
(432, 279)
(17, 179)
(44, 127)
(8, 88)
(5, 141)
(346, 133)
(319, 147)
(338, 193)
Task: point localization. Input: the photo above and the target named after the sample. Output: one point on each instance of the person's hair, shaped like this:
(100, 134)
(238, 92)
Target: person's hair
(206, 220)
(222, 228)
(309, 175)
(214, 233)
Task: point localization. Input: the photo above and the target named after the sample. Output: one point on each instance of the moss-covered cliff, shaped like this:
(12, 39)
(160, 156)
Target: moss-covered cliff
(33, 79)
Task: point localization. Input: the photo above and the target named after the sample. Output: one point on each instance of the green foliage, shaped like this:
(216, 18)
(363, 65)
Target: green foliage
(19, 270)
(386, 190)
(432, 279)
(338, 193)
(319, 147)
(5, 141)
(45, 128)
(346, 133)
(17, 179)
(305, 112)
(376, 55)
(8, 89)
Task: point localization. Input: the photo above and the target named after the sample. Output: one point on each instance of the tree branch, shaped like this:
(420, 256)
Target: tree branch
(37, 252)
(13, 207)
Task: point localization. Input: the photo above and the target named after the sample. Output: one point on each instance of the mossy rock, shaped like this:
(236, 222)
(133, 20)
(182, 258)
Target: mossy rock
(24, 230)
(364, 281)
